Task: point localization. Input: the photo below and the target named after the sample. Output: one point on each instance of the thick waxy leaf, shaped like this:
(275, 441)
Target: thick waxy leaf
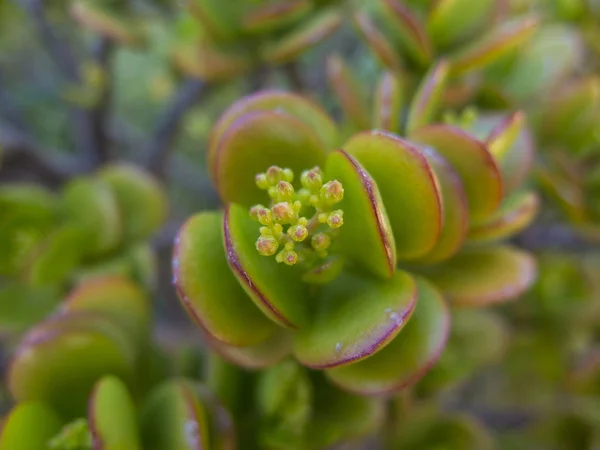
(220, 20)
(472, 162)
(59, 363)
(339, 416)
(514, 215)
(273, 16)
(378, 42)
(106, 23)
(207, 288)
(426, 101)
(264, 354)
(274, 287)
(354, 318)
(477, 338)
(408, 29)
(455, 210)
(205, 62)
(118, 297)
(142, 201)
(389, 99)
(410, 354)
(112, 416)
(326, 272)
(568, 195)
(478, 277)
(408, 187)
(294, 105)
(510, 143)
(91, 204)
(366, 237)
(173, 418)
(22, 305)
(29, 426)
(494, 45)
(552, 53)
(450, 21)
(256, 141)
(348, 91)
(302, 38)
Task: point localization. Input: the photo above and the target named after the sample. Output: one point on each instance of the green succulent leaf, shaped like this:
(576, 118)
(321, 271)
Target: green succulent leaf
(408, 356)
(29, 426)
(354, 318)
(208, 289)
(378, 42)
(482, 276)
(112, 416)
(389, 100)
(408, 187)
(275, 16)
(366, 238)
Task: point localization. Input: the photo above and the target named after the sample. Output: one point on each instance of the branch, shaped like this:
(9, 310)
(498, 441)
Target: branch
(169, 122)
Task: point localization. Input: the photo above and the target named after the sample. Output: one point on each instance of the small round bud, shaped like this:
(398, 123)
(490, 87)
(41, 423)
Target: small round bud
(274, 174)
(322, 217)
(312, 179)
(298, 232)
(283, 212)
(255, 210)
(267, 245)
(265, 231)
(332, 192)
(320, 242)
(314, 200)
(288, 175)
(264, 216)
(276, 230)
(304, 196)
(289, 246)
(302, 221)
(273, 192)
(335, 219)
(261, 181)
(297, 206)
(288, 257)
(285, 191)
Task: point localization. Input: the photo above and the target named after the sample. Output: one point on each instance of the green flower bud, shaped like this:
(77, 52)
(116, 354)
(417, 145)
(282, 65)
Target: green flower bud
(304, 196)
(335, 219)
(285, 191)
(287, 257)
(320, 242)
(298, 232)
(261, 181)
(274, 174)
(288, 175)
(283, 212)
(267, 245)
(312, 179)
(264, 216)
(332, 192)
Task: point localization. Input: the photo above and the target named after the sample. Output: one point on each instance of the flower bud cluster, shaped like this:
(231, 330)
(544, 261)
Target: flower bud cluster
(286, 231)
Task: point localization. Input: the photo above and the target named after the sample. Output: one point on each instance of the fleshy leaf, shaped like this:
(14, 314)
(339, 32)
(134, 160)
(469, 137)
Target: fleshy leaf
(29, 426)
(274, 101)
(495, 44)
(22, 305)
(410, 354)
(354, 318)
(366, 237)
(42, 367)
(326, 272)
(426, 101)
(275, 288)
(273, 16)
(515, 214)
(112, 416)
(472, 162)
(174, 418)
(256, 141)
(378, 42)
(455, 210)
(408, 187)
(483, 276)
(300, 39)
(450, 21)
(142, 200)
(408, 29)
(389, 99)
(208, 290)
(348, 91)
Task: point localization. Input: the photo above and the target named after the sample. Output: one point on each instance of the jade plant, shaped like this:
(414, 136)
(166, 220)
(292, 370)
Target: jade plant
(98, 224)
(352, 268)
(220, 39)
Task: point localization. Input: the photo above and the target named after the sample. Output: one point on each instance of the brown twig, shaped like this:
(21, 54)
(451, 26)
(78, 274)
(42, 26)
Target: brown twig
(189, 94)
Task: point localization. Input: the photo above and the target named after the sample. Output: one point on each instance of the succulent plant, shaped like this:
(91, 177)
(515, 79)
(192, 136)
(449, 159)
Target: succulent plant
(220, 39)
(366, 302)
